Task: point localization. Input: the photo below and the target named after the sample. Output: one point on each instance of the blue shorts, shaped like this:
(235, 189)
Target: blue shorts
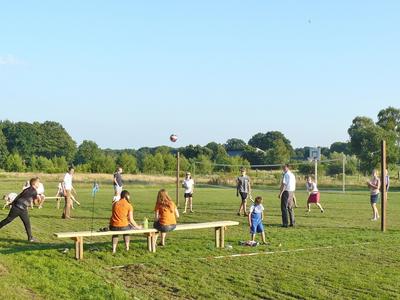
(374, 199)
(256, 227)
(164, 228)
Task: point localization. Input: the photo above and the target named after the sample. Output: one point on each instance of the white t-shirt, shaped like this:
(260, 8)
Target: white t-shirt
(68, 182)
(188, 184)
(40, 189)
(258, 209)
(289, 180)
(312, 187)
(11, 197)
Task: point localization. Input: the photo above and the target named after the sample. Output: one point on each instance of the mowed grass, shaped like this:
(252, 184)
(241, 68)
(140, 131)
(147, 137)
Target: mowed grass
(340, 254)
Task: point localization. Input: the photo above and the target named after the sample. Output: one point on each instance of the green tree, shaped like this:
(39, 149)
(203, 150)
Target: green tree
(55, 141)
(60, 164)
(203, 165)
(255, 156)
(102, 163)
(279, 153)
(14, 163)
(3, 149)
(365, 139)
(87, 152)
(153, 163)
(45, 165)
(128, 163)
(235, 145)
(389, 119)
(340, 147)
(265, 141)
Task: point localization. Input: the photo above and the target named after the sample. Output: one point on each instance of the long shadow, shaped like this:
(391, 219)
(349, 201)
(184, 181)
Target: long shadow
(19, 246)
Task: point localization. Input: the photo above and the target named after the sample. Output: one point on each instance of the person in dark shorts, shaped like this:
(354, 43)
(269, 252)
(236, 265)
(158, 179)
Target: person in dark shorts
(20, 206)
(243, 189)
(374, 185)
(117, 182)
(188, 185)
(122, 219)
(165, 214)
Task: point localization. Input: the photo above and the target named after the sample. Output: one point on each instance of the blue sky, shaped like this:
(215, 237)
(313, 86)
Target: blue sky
(127, 74)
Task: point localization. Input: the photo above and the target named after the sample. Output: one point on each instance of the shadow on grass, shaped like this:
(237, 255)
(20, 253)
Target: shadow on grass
(18, 246)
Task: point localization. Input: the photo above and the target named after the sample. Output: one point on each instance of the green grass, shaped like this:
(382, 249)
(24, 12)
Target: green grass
(353, 258)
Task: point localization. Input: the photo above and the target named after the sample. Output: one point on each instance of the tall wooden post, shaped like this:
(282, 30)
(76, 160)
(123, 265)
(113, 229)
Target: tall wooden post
(177, 179)
(316, 171)
(383, 186)
(344, 174)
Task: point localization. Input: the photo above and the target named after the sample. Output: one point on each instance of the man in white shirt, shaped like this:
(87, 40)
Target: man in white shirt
(288, 187)
(67, 183)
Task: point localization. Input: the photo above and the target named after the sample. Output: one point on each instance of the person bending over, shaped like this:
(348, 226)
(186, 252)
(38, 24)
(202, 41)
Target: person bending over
(19, 207)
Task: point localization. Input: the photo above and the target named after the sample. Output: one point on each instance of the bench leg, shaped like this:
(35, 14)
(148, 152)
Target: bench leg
(222, 237)
(153, 242)
(78, 247)
(148, 235)
(217, 237)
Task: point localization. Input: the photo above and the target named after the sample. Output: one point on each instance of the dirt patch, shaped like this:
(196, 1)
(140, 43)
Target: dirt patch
(3, 270)
(150, 280)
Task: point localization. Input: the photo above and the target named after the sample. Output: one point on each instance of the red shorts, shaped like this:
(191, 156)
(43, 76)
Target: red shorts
(313, 198)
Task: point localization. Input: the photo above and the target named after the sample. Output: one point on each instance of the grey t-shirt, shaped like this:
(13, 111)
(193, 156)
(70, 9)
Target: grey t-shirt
(243, 184)
(118, 178)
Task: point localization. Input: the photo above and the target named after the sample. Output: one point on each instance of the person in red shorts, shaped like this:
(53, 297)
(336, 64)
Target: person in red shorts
(314, 195)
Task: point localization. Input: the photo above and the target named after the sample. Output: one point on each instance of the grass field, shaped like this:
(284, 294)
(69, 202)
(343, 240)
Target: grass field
(340, 254)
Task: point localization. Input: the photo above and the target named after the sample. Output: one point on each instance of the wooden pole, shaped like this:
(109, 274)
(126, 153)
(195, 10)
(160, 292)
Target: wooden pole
(316, 171)
(344, 174)
(383, 186)
(177, 179)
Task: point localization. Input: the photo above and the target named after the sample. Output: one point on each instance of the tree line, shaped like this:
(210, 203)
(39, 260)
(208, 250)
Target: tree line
(47, 147)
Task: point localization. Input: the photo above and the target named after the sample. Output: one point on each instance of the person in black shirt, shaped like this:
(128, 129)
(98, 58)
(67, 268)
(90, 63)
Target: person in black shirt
(117, 182)
(20, 205)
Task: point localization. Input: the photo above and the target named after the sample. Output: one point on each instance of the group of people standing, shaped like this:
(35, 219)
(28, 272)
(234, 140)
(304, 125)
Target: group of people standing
(286, 196)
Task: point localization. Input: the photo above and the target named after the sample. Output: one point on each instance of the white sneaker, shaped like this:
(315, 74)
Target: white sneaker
(374, 219)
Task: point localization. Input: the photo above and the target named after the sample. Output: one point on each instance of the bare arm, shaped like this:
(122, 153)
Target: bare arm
(132, 221)
(282, 188)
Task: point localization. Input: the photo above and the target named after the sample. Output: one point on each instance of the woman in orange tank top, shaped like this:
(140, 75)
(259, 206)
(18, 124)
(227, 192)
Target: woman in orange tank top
(165, 214)
(122, 219)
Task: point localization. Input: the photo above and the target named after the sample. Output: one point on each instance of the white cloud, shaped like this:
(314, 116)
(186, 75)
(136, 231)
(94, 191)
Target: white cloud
(10, 59)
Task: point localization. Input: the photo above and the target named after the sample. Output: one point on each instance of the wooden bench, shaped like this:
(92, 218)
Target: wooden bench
(150, 233)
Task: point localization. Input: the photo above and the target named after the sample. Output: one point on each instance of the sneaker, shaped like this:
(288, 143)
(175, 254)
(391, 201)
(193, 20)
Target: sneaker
(374, 219)
(322, 211)
(192, 211)
(238, 214)
(184, 212)
(33, 240)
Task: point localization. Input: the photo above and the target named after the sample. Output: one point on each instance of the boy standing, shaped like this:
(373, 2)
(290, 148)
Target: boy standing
(243, 189)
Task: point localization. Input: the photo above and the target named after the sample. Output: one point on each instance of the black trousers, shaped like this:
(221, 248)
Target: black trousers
(23, 215)
(287, 207)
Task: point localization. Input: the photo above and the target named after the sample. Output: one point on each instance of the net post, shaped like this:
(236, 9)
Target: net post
(177, 179)
(383, 186)
(344, 174)
(316, 171)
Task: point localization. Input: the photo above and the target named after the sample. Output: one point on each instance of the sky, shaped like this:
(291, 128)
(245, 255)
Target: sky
(127, 74)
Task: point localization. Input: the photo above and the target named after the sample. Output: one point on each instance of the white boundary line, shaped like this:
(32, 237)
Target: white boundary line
(280, 252)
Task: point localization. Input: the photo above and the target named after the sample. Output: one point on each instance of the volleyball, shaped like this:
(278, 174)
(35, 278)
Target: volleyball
(173, 138)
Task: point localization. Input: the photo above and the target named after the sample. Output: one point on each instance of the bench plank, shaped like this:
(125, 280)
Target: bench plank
(102, 233)
(219, 226)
